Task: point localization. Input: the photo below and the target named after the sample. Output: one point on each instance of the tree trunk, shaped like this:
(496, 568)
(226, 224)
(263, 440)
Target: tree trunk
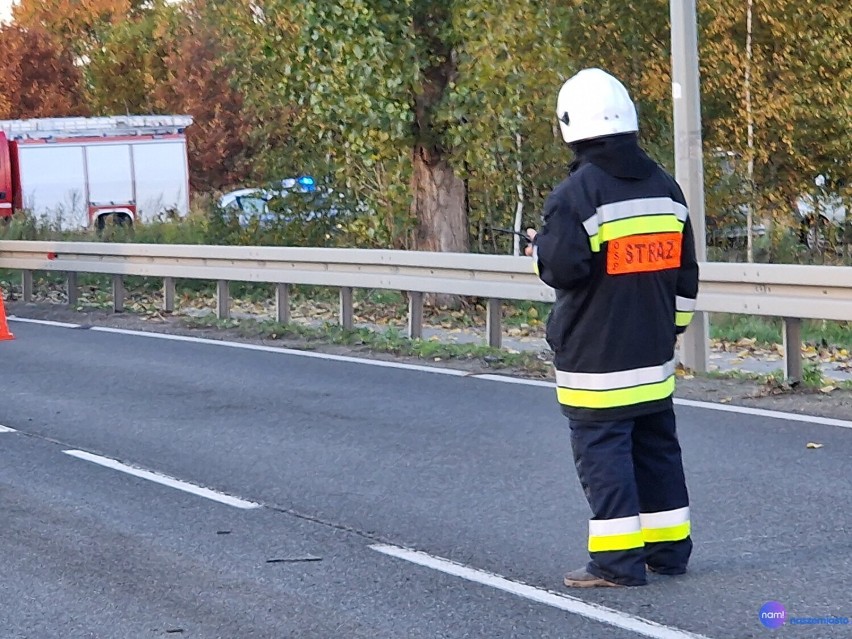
(439, 197)
(438, 203)
(519, 187)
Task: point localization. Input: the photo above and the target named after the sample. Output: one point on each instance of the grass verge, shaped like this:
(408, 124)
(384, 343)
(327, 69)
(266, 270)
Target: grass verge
(389, 341)
(774, 382)
(767, 330)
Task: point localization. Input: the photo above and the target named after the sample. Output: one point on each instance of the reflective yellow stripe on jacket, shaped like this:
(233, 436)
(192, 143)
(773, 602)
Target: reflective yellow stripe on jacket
(612, 390)
(634, 217)
(684, 310)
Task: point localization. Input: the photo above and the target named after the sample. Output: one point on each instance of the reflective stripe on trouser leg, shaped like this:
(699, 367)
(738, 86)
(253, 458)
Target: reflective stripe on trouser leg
(602, 455)
(615, 534)
(663, 496)
(668, 525)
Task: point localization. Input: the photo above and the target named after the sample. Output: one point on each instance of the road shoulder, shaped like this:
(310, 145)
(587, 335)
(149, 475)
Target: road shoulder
(835, 403)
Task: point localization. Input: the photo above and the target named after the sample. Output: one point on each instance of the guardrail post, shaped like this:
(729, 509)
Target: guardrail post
(493, 325)
(346, 310)
(169, 294)
(793, 348)
(27, 286)
(71, 288)
(117, 293)
(415, 315)
(223, 300)
(695, 343)
(282, 303)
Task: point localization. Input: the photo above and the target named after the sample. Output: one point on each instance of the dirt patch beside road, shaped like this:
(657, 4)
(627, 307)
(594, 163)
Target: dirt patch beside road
(740, 392)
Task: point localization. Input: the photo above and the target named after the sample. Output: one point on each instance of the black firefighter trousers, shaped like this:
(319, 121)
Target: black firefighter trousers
(632, 473)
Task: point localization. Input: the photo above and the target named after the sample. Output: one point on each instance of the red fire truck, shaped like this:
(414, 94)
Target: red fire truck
(84, 172)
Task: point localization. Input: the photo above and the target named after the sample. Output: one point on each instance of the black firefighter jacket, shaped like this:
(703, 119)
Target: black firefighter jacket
(617, 246)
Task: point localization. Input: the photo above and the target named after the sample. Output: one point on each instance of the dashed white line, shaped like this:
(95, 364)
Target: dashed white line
(164, 480)
(436, 370)
(6, 429)
(596, 612)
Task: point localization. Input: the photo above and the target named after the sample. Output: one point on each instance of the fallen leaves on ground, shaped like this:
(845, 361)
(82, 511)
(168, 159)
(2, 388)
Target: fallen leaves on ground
(683, 373)
(746, 348)
(772, 386)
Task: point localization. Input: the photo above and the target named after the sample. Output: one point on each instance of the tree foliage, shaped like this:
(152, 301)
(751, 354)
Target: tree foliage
(178, 58)
(345, 69)
(379, 86)
(413, 109)
(81, 24)
(41, 79)
(632, 41)
(500, 115)
(800, 72)
(203, 81)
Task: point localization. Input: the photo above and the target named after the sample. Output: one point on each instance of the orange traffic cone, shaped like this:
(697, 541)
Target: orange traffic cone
(5, 334)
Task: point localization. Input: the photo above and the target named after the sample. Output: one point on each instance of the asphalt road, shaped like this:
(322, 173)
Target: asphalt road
(342, 457)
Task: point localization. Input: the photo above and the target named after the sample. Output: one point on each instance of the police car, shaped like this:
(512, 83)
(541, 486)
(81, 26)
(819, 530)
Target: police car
(255, 203)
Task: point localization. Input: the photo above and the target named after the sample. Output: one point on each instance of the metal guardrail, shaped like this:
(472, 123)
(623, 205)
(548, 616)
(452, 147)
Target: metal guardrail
(790, 292)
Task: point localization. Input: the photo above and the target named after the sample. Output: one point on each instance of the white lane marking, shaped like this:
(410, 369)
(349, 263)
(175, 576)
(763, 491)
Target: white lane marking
(6, 429)
(284, 351)
(505, 379)
(727, 408)
(165, 480)
(25, 320)
(596, 612)
(762, 412)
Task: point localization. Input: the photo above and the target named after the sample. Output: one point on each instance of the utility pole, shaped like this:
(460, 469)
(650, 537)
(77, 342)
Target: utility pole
(689, 163)
(749, 137)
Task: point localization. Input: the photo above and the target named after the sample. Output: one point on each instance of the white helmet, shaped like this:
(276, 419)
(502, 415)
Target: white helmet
(593, 104)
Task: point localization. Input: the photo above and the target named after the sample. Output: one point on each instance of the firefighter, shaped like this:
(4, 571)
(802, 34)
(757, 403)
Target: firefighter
(617, 246)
